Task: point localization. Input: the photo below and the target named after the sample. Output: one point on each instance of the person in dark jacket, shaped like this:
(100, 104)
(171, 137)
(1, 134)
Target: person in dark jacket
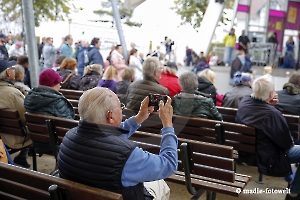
(94, 54)
(23, 60)
(122, 86)
(91, 77)
(169, 79)
(83, 58)
(47, 100)
(139, 89)
(189, 102)
(40, 47)
(109, 79)
(275, 149)
(70, 77)
(206, 81)
(97, 152)
(242, 88)
(289, 96)
(238, 65)
(3, 50)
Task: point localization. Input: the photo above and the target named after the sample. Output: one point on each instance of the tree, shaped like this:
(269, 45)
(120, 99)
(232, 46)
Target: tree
(43, 10)
(192, 11)
(125, 13)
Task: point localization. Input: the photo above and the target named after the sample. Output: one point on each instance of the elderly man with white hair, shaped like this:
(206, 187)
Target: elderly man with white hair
(98, 153)
(137, 91)
(275, 149)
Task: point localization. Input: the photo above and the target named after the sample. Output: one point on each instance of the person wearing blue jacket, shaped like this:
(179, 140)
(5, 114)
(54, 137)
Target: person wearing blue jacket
(94, 54)
(82, 59)
(66, 48)
(98, 153)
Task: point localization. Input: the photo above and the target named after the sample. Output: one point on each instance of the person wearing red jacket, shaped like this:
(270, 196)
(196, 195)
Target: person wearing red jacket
(169, 79)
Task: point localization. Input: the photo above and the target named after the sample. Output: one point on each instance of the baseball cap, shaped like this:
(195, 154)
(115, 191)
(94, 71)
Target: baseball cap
(2, 35)
(4, 64)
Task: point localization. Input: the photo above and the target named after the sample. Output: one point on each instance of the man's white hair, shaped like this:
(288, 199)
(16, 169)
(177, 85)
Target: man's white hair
(262, 87)
(95, 103)
(149, 66)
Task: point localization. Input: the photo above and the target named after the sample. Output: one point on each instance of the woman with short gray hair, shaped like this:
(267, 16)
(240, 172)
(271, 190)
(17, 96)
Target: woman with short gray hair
(192, 103)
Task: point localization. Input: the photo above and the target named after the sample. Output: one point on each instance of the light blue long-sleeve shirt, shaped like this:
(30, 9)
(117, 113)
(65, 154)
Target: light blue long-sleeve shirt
(143, 166)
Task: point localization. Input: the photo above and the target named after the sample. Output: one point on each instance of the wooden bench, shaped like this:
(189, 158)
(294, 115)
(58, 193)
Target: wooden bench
(10, 123)
(18, 183)
(215, 162)
(38, 130)
(71, 94)
(212, 170)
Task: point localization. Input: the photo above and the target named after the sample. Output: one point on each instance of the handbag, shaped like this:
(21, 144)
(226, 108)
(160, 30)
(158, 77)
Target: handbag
(3, 155)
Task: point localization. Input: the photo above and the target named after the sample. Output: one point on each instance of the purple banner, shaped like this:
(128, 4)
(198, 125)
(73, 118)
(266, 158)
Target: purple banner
(276, 23)
(243, 8)
(293, 16)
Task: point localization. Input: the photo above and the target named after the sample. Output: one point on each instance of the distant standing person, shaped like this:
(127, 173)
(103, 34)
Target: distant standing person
(66, 48)
(229, 41)
(49, 53)
(40, 47)
(94, 54)
(3, 50)
(244, 42)
(135, 64)
(118, 61)
(273, 38)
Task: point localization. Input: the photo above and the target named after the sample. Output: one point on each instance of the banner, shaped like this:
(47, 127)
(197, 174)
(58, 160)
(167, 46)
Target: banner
(276, 23)
(293, 16)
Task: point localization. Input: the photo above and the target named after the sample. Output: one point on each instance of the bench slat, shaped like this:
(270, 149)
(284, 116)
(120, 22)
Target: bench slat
(40, 181)
(214, 187)
(23, 191)
(15, 123)
(12, 131)
(9, 113)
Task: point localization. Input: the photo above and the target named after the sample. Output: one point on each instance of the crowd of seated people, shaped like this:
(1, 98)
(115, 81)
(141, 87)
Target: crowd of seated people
(192, 95)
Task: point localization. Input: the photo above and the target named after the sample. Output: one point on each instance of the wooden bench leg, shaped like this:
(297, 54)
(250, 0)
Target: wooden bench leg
(210, 195)
(34, 167)
(260, 179)
(198, 194)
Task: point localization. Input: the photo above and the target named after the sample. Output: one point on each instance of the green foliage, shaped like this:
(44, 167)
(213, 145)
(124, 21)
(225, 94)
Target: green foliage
(43, 10)
(192, 11)
(125, 13)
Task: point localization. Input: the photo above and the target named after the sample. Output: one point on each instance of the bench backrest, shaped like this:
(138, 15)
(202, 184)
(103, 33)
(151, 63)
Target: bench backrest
(10, 123)
(19, 183)
(71, 94)
(210, 160)
(293, 121)
(240, 137)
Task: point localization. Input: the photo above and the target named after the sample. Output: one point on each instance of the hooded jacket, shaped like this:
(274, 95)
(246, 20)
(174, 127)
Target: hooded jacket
(289, 99)
(205, 86)
(95, 56)
(47, 101)
(193, 104)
